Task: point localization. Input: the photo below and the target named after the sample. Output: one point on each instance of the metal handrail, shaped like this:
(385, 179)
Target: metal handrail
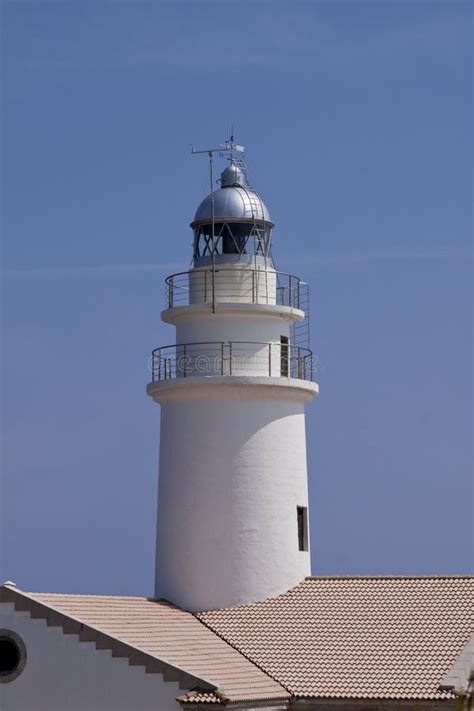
(256, 286)
(214, 358)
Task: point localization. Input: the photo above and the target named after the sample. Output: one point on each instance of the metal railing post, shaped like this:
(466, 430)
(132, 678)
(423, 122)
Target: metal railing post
(213, 284)
(205, 286)
(230, 358)
(222, 357)
(270, 360)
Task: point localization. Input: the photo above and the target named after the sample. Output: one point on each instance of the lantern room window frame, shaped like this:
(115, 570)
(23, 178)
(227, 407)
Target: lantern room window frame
(256, 241)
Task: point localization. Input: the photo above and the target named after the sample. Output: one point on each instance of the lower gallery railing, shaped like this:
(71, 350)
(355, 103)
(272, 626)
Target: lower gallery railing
(232, 358)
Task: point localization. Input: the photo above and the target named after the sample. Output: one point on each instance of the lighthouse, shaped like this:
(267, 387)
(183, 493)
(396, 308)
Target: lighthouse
(233, 386)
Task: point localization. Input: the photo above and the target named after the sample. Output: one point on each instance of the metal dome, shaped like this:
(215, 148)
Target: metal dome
(235, 200)
(234, 175)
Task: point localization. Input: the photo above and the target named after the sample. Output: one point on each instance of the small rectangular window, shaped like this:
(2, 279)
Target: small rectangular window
(302, 517)
(284, 348)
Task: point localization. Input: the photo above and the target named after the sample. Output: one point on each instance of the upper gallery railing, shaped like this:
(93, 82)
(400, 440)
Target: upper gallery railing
(231, 285)
(236, 358)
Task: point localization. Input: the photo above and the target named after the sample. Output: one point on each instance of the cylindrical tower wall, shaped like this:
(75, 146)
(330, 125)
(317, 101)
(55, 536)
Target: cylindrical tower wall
(232, 474)
(232, 283)
(228, 326)
(256, 344)
(238, 359)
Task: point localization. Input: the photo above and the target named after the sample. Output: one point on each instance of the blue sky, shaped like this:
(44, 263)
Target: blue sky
(357, 118)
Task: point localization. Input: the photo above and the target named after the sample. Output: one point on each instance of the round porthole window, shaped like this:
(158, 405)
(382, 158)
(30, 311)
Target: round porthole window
(12, 656)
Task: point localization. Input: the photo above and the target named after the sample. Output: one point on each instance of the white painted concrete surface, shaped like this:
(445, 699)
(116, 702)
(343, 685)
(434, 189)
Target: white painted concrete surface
(231, 326)
(232, 283)
(250, 331)
(204, 387)
(64, 674)
(232, 458)
(232, 473)
(290, 313)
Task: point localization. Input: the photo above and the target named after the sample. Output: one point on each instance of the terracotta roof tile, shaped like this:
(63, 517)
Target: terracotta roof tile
(389, 638)
(200, 697)
(168, 633)
(379, 638)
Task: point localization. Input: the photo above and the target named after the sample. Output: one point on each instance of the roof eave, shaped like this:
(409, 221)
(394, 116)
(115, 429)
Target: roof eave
(54, 617)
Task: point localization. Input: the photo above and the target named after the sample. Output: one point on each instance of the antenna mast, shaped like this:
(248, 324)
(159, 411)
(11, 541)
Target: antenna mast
(227, 147)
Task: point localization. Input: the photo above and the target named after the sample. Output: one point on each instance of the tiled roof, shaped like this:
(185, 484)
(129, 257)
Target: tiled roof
(390, 638)
(200, 697)
(160, 631)
(379, 638)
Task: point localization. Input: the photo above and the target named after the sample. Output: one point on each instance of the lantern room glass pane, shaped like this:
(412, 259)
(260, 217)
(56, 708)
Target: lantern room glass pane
(232, 238)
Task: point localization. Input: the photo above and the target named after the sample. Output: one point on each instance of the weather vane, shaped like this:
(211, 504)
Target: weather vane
(228, 147)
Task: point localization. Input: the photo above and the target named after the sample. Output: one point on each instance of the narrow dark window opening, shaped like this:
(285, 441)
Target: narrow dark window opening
(284, 363)
(302, 517)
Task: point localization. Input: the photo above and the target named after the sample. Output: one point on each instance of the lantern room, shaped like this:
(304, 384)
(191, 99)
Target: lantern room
(232, 222)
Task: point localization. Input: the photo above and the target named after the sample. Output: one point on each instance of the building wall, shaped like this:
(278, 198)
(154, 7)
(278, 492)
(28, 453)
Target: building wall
(231, 326)
(64, 674)
(232, 473)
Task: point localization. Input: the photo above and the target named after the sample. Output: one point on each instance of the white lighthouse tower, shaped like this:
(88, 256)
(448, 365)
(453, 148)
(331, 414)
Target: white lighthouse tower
(233, 496)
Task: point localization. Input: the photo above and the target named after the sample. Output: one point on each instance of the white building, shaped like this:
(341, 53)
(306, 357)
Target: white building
(236, 620)
(232, 395)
